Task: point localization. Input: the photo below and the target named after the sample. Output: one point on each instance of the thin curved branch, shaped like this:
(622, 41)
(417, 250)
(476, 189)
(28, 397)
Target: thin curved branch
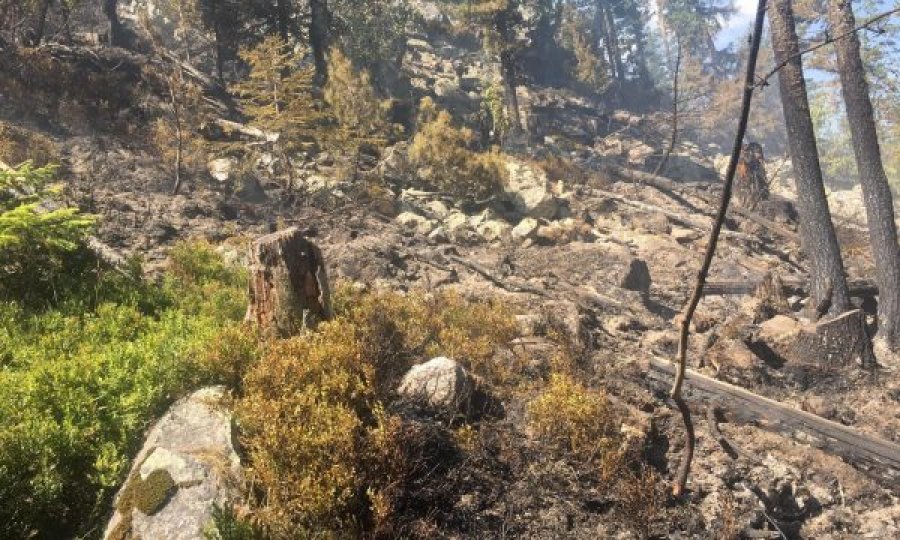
(687, 456)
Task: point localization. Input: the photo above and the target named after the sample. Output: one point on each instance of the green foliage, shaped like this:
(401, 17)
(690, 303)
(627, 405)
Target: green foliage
(440, 151)
(40, 247)
(78, 387)
(227, 525)
(591, 65)
(278, 93)
(311, 415)
(572, 418)
(373, 33)
(351, 99)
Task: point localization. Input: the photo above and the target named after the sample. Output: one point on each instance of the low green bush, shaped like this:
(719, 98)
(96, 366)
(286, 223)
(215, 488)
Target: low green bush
(78, 386)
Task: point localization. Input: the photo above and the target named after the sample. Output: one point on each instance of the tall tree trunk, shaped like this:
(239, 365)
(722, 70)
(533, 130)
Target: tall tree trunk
(600, 25)
(828, 284)
(508, 67)
(319, 22)
(876, 191)
(35, 34)
(616, 55)
(110, 10)
(284, 17)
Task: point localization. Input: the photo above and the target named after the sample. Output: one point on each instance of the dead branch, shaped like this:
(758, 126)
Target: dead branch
(674, 137)
(675, 190)
(506, 285)
(674, 216)
(684, 469)
(250, 131)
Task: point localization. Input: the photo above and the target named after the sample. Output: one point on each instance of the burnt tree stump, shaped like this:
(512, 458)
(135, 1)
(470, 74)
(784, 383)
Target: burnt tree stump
(833, 343)
(840, 341)
(289, 288)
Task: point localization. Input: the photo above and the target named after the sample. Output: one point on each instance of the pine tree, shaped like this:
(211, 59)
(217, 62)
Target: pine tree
(35, 238)
(279, 93)
(828, 282)
(876, 191)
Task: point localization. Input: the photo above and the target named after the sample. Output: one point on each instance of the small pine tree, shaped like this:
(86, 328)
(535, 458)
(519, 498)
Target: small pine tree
(440, 151)
(352, 100)
(36, 240)
(279, 94)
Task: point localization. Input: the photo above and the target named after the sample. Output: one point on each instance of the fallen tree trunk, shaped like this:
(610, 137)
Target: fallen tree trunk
(675, 189)
(876, 457)
(859, 288)
(683, 220)
(289, 288)
(256, 133)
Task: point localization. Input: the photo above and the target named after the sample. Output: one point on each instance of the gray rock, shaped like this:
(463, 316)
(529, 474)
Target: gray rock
(191, 448)
(441, 383)
(414, 222)
(528, 190)
(525, 229)
(221, 168)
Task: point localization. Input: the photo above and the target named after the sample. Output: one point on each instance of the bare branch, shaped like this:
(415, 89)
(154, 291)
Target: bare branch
(764, 81)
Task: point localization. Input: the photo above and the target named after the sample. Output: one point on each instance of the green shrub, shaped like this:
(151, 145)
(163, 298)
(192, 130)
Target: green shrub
(574, 419)
(445, 163)
(78, 387)
(42, 252)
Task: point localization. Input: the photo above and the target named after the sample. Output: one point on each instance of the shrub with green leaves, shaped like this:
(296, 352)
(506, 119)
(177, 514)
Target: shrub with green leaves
(78, 387)
(41, 245)
(445, 163)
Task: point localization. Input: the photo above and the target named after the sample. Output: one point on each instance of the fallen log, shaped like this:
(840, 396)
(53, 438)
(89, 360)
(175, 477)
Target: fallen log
(256, 133)
(289, 288)
(675, 189)
(878, 458)
(860, 288)
(683, 220)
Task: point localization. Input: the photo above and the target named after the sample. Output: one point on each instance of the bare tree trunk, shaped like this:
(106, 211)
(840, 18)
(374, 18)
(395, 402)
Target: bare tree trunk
(284, 16)
(691, 307)
(876, 191)
(319, 22)
(35, 34)
(110, 9)
(508, 67)
(176, 87)
(674, 137)
(289, 288)
(829, 285)
(614, 44)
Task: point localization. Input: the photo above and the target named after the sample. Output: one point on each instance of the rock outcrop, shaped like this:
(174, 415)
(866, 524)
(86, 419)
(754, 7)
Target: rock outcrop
(187, 465)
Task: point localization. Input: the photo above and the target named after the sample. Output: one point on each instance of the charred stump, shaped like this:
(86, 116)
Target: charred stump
(289, 288)
(832, 343)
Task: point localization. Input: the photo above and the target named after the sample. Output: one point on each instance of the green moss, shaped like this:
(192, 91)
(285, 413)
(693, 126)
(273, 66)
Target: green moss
(149, 494)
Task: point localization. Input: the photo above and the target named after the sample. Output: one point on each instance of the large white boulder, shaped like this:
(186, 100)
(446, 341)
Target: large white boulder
(528, 189)
(441, 383)
(187, 465)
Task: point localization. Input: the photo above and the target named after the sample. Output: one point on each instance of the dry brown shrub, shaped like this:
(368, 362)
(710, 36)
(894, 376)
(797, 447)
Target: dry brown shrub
(640, 499)
(18, 145)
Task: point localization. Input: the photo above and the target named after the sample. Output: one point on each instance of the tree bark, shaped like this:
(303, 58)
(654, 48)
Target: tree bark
(110, 10)
(289, 288)
(319, 23)
(615, 54)
(508, 66)
(35, 34)
(284, 17)
(876, 191)
(829, 285)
